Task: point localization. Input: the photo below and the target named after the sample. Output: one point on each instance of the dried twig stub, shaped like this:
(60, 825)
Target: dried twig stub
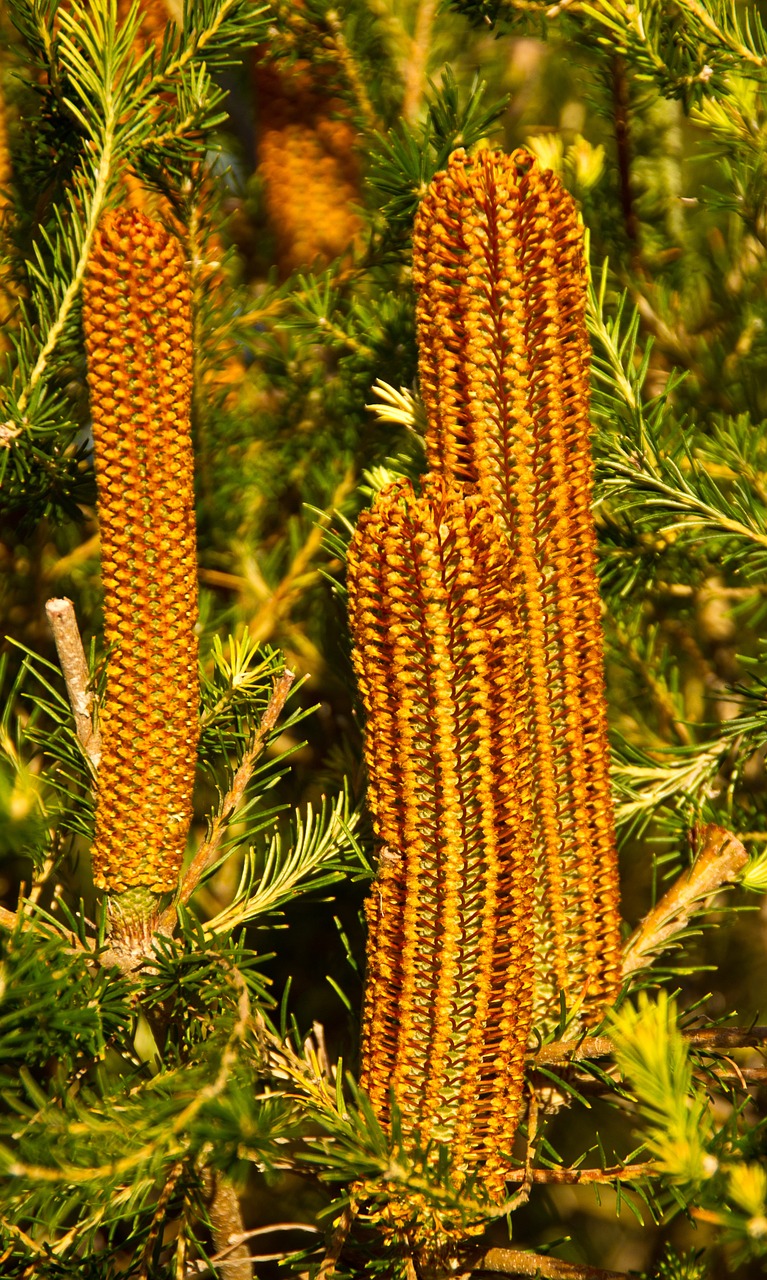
(74, 666)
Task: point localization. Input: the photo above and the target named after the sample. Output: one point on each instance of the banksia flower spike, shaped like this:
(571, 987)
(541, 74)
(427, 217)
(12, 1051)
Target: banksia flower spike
(449, 989)
(139, 345)
(501, 295)
(308, 164)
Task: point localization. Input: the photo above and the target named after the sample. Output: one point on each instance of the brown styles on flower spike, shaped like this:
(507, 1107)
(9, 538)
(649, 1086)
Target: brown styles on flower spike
(503, 356)
(448, 1000)
(137, 319)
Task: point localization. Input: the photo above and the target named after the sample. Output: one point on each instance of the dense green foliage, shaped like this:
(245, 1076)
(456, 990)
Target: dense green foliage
(129, 1099)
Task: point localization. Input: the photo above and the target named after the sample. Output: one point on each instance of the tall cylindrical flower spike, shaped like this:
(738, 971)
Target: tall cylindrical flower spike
(308, 163)
(448, 1002)
(137, 319)
(499, 272)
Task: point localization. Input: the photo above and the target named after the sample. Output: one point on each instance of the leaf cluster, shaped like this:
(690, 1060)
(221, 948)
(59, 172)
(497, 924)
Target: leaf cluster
(108, 108)
(127, 1081)
(404, 161)
(698, 1158)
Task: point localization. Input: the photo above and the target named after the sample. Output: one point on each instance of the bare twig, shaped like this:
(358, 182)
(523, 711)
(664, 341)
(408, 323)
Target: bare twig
(720, 859)
(337, 1242)
(234, 1260)
(10, 919)
(272, 1227)
(684, 591)
(415, 74)
(69, 647)
(208, 851)
(217, 578)
(727, 1037)
(317, 1041)
(39, 881)
(560, 1052)
(158, 1217)
(263, 1231)
(65, 564)
(354, 76)
(279, 1226)
(516, 1262)
(617, 1173)
(745, 1075)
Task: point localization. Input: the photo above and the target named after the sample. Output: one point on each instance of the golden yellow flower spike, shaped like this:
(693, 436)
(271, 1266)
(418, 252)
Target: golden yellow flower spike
(308, 164)
(437, 653)
(499, 272)
(136, 312)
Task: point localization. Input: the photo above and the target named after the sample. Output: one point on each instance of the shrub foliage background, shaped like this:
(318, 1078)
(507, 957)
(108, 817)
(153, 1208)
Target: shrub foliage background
(149, 1117)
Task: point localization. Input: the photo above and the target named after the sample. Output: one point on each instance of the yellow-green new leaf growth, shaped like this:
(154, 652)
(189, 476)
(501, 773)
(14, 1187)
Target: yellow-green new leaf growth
(448, 1002)
(653, 1055)
(139, 344)
(501, 295)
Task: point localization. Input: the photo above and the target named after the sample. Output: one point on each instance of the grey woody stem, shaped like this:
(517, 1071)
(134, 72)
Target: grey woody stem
(227, 1230)
(69, 647)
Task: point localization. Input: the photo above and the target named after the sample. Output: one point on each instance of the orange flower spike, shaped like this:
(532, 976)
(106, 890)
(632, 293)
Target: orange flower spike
(498, 268)
(307, 160)
(448, 1003)
(137, 319)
